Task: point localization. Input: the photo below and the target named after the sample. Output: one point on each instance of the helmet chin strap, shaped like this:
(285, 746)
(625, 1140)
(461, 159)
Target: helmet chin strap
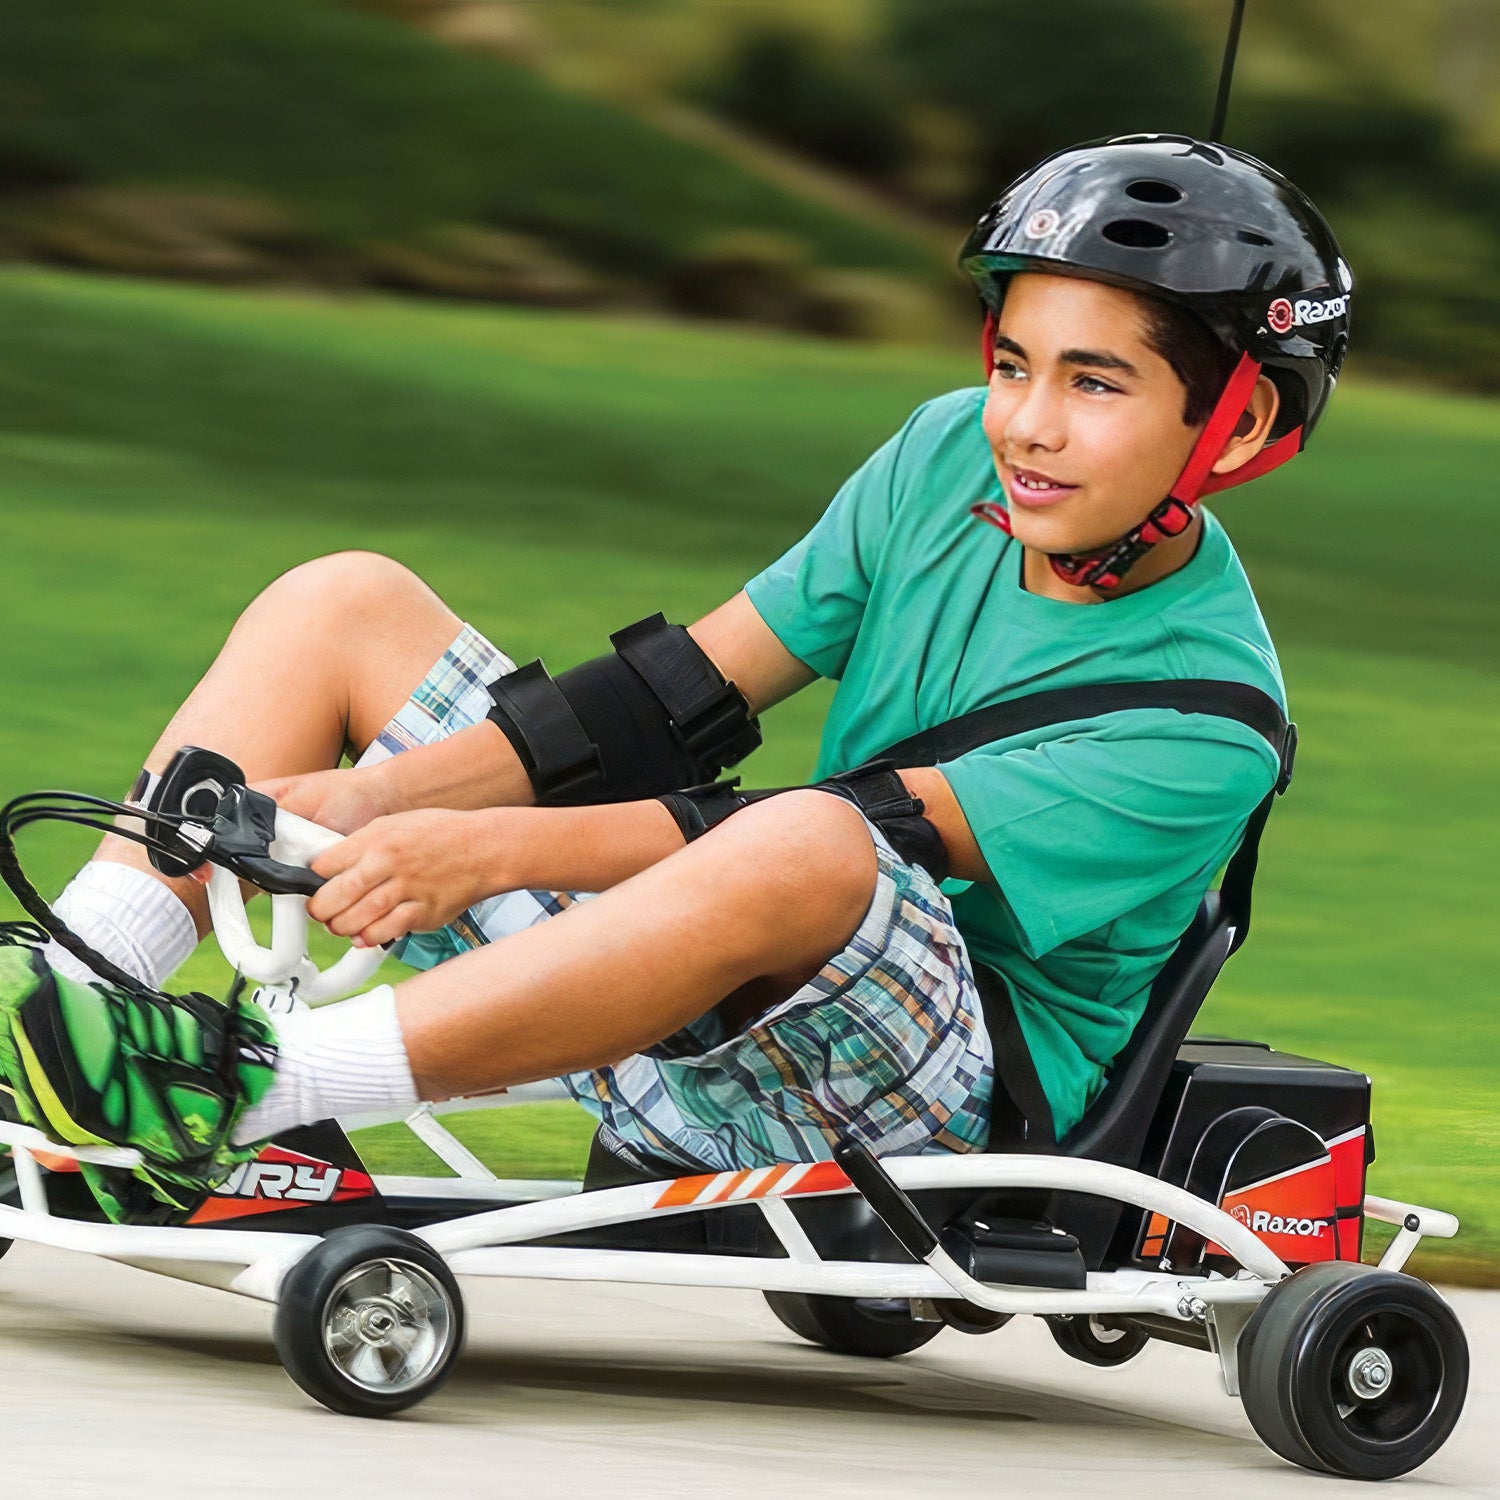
(1103, 569)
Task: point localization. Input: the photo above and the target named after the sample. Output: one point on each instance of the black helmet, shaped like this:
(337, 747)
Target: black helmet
(1202, 225)
(1199, 224)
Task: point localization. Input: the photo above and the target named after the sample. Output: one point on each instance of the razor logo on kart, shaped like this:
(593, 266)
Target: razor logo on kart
(1261, 1222)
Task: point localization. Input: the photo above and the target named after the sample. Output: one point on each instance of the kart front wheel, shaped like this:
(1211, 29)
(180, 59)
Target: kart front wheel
(875, 1328)
(1353, 1370)
(370, 1321)
(1095, 1341)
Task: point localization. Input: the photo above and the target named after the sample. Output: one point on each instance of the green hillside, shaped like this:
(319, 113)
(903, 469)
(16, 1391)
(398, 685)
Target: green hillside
(359, 128)
(165, 451)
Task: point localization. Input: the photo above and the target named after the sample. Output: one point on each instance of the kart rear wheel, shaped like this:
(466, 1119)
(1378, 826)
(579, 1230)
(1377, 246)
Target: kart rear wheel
(871, 1327)
(1096, 1341)
(370, 1321)
(1353, 1371)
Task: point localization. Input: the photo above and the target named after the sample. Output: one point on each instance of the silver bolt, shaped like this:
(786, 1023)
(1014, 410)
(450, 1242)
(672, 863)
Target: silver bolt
(1194, 1308)
(1370, 1373)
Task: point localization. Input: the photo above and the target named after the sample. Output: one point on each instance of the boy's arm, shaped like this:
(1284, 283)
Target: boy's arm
(417, 871)
(478, 767)
(966, 860)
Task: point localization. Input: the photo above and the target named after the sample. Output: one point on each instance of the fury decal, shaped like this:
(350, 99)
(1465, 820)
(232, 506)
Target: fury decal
(282, 1179)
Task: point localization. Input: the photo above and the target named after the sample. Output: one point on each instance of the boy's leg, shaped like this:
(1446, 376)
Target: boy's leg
(773, 892)
(321, 660)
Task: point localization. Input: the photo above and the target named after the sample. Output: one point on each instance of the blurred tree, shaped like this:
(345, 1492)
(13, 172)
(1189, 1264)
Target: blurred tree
(1037, 75)
(797, 89)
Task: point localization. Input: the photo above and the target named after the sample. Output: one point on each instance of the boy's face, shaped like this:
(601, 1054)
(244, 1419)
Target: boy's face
(1083, 417)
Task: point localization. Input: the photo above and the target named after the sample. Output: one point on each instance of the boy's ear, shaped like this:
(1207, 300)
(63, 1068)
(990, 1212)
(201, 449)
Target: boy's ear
(1252, 430)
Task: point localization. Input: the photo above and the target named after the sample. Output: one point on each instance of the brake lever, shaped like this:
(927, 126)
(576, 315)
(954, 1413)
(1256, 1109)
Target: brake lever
(240, 838)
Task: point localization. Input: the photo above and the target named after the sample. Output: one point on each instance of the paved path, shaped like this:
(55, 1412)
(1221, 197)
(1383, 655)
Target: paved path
(118, 1384)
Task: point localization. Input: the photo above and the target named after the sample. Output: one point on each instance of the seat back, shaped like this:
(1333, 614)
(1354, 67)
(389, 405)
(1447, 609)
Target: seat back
(1115, 1126)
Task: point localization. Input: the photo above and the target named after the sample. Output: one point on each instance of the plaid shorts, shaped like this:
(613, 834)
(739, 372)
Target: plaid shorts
(887, 1043)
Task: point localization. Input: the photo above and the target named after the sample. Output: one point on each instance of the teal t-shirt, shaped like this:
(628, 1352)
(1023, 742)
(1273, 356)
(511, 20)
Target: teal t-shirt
(1102, 835)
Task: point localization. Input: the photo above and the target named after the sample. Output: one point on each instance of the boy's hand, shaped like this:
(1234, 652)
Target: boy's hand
(409, 872)
(343, 800)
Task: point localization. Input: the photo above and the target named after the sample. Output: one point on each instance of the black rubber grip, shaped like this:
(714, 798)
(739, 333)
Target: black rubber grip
(899, 1214)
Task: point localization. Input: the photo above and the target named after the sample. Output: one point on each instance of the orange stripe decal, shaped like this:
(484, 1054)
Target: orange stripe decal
(684, 1190)
(771, 1179)
(736, 1180)
(820, 1177)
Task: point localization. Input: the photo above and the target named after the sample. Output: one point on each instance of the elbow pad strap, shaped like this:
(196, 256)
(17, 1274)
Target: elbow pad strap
(708, 713)
(878, 791)
(699, 808)
(555, 749)
(652, 715)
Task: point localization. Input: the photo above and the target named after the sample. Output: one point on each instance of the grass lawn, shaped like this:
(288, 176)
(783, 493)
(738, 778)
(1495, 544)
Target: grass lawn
(164, 452)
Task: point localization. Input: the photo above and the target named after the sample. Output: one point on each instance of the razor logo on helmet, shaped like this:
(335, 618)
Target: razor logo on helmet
(1283, 315)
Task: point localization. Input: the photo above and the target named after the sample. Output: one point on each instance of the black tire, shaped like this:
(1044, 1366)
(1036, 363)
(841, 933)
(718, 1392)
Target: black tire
(1353, 1371)
(347, 1307)
(966, 1317)
(10, 1192)
(1096, 1341)
(875, 1329)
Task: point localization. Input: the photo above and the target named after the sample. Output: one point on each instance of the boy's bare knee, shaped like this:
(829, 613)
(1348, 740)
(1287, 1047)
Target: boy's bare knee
(342, 584)
(810, 869)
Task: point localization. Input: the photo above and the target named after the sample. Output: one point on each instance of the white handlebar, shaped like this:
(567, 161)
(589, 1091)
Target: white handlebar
(297, 842)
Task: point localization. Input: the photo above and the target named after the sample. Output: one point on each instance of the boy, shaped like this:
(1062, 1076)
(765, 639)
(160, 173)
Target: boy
(1164, 316)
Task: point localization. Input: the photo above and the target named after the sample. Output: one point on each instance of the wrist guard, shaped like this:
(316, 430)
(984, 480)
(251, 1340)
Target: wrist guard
(650, 716)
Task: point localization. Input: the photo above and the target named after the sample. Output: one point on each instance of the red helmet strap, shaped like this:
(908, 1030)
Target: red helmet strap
(1103, 570)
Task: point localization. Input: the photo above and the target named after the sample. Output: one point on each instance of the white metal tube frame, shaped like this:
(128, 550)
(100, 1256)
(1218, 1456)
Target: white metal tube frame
(494, 1242)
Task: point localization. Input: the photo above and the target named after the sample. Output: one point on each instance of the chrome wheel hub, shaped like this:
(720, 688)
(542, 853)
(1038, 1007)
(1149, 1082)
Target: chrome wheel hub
(388, 1325)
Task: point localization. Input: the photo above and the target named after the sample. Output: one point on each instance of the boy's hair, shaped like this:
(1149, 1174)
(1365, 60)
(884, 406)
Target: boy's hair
(1199, 358)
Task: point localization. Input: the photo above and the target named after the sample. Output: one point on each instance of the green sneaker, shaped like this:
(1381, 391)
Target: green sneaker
(167, 1075)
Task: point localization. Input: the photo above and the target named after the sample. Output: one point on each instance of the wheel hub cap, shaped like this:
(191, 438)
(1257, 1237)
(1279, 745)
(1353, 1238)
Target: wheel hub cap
(388, 1325)
(1370, 1374)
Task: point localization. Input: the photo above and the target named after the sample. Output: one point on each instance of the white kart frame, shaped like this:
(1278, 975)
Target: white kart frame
(494, 1241)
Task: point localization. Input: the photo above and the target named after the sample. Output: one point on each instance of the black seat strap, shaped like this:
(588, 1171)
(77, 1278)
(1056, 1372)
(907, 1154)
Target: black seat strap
(1001, 721)
(1257, 710)
(1027, 1125)
(1247, 705)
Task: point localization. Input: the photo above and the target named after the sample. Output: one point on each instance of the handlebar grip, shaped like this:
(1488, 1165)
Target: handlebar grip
(899, 1214)
(276, 878)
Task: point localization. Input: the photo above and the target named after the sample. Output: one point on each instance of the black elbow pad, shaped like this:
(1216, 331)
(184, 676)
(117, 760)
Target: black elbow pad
(651, 716)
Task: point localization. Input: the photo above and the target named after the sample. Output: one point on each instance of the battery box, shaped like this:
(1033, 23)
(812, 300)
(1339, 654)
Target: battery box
(1279, 1142)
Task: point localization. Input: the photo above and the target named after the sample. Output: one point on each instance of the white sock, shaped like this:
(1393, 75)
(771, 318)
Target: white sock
(130, 917)
(341, 1060)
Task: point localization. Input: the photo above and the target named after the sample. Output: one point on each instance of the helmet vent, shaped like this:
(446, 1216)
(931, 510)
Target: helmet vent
(1251, 237)
(1148, 190)
(1138, 234)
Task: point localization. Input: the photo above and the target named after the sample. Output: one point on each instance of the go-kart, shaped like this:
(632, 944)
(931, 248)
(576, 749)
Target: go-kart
(1212, 1196)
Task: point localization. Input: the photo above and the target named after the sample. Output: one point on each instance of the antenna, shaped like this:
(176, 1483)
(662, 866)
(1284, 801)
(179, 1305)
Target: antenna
(1226, 72)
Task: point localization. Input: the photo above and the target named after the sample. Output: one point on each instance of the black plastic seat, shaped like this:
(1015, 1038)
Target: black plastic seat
(1114, 1128)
